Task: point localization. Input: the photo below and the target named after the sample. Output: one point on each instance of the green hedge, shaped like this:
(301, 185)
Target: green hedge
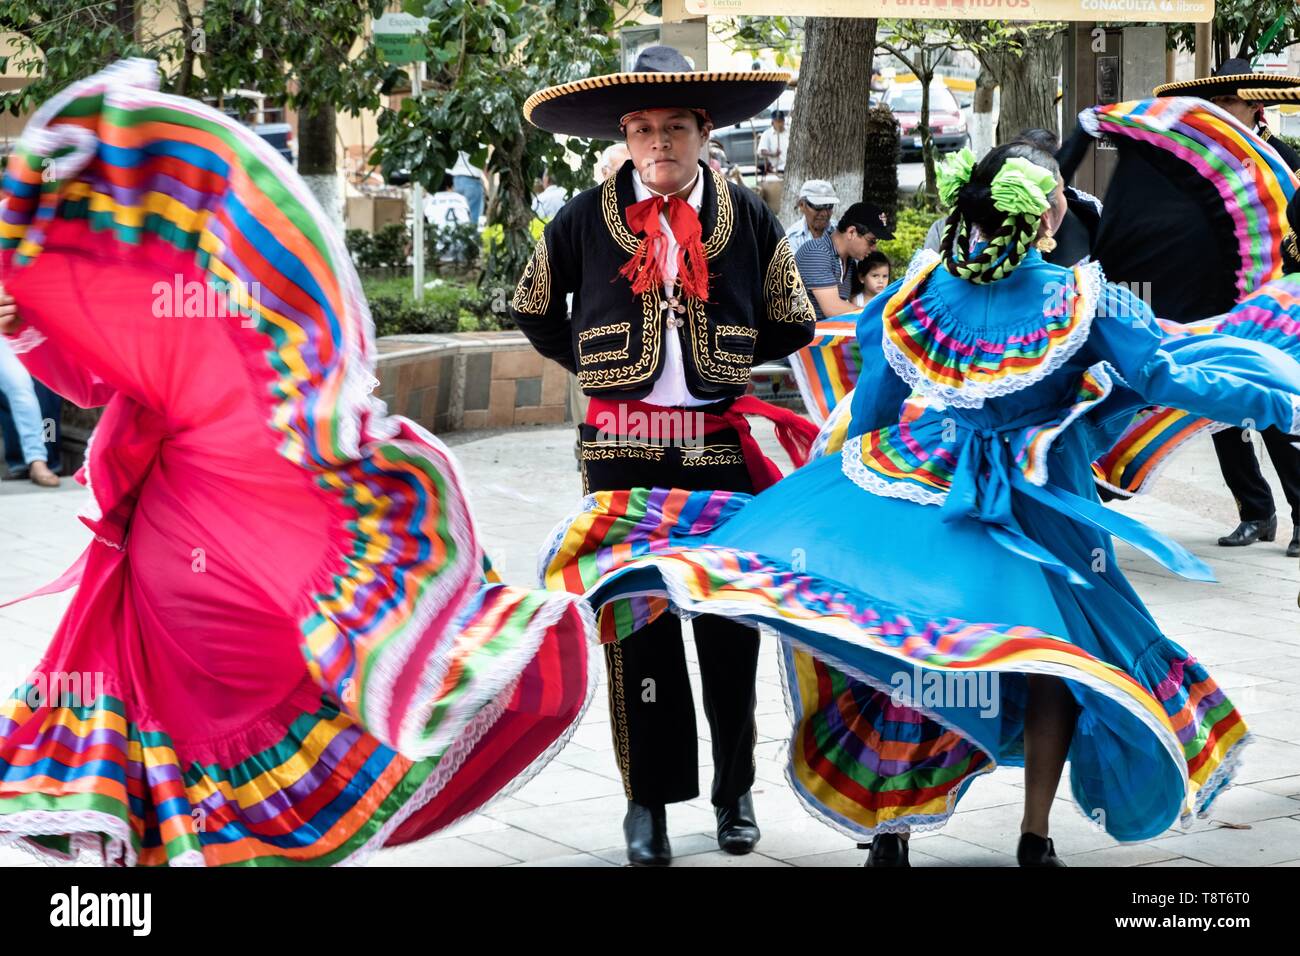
(909, 236)
(448, 306)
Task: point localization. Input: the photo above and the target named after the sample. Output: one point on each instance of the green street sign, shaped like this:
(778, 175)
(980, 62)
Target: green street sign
(399, 37)
(399, 49)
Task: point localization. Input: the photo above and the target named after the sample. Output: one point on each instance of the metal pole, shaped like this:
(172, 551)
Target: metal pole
(417, 214)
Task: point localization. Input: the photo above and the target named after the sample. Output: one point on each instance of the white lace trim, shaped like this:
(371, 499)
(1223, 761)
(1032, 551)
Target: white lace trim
(974, 394)
(1220, 781)
(922, 259)
(1088, 198)
(26, 340)
(856, 471)
(86, 830)
(91, 511)
(1090, 122)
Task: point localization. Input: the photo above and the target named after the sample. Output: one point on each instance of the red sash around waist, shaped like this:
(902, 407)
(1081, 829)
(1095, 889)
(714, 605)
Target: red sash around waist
(794, 432)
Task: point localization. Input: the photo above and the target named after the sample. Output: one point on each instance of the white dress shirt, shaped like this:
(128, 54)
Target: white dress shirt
(670, 389)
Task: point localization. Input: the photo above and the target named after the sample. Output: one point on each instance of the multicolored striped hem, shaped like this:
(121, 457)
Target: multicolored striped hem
(863, 759)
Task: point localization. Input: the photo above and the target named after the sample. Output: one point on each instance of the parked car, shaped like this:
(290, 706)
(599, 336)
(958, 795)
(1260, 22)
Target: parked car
(741, 140)
(947, 125)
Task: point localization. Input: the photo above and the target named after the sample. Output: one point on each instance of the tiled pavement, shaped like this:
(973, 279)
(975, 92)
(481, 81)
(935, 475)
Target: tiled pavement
(1247, 629)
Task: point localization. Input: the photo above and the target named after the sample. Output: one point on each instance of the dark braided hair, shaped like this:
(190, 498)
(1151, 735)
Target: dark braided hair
(1009, 236)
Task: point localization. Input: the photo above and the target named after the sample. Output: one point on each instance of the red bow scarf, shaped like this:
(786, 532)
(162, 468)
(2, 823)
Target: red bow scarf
(646, 267)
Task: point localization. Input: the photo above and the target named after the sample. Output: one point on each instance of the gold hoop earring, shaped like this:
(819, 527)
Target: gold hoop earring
(1045, 244)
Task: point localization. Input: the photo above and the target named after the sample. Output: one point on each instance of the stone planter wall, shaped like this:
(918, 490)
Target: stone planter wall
(471, 380)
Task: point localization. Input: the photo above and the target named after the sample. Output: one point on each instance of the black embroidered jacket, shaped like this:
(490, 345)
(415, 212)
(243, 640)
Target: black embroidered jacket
(757, 309)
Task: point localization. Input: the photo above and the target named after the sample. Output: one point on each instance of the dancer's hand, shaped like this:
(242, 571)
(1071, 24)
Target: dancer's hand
(9, 320)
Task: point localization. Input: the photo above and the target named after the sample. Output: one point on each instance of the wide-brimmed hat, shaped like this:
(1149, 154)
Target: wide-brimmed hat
(1287, 94)
(661, 79)
(1230, 79)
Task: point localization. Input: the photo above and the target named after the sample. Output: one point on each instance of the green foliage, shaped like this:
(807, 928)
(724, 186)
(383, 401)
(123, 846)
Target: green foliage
(753, 35)
(909, 236)
(386, 249)
(447, 306)
(1240, 26)
(295, 51)
(485, 60)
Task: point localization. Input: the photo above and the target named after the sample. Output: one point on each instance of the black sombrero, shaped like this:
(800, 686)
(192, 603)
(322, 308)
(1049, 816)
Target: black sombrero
(1229, 79)
(662, 78)
(1287, 94)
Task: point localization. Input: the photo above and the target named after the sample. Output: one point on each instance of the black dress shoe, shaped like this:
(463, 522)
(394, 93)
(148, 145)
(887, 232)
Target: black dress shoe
(1248, 532)
(737, 831)
(646, 831)
(888, 849)
(1037, 851)
(1293, 549)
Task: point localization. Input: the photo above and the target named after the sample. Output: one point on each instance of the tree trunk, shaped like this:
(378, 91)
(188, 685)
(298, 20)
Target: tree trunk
(880, 170)
(828, 126)
(512, 210)
(318, 161)
(982, 119)
(1028, 84)
(923, 125)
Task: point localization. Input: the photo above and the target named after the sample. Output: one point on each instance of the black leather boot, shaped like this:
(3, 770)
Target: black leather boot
(1037, 851)
(1248, 532)
(888, 849)
(737, 830)
(1293, 549)
(646, 831)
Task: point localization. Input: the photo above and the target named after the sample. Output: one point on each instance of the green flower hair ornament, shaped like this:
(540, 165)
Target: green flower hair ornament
(1021, 188)
(953, 174)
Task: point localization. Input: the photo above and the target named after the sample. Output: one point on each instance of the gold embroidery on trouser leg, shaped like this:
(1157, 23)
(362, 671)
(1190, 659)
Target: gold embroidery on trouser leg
(618, 713)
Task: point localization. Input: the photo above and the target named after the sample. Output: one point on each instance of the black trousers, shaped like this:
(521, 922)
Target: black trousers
(652, 712)
(1244, 479)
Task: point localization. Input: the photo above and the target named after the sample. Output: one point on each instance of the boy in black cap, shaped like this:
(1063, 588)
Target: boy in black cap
(827, 265)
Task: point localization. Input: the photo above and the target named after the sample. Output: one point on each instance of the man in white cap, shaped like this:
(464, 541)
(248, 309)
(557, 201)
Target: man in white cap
(817, 200)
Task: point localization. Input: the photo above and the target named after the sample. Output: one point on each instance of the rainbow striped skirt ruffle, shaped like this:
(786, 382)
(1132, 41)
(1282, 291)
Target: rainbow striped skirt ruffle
(878, 742)
(295, 655)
